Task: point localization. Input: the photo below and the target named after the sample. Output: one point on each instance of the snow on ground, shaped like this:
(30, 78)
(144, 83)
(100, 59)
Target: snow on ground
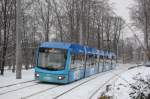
(81, 92)
(49, 94)
(122, 85)
(9, 77)
(42, 90)
(87, 89)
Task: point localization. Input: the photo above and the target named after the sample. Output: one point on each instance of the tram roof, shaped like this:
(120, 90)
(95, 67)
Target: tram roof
(75, 48)
(61, 45)
(101, 52)
(105, 53)
(55, 45)
(91, 50)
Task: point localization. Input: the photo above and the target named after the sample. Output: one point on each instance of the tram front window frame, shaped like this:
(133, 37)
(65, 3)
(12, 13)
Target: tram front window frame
(52, 59)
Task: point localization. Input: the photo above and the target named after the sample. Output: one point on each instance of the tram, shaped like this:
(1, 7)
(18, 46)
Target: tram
(62, 63)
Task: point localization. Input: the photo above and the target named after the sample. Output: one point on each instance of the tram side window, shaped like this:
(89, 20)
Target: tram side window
(80, 60)
(88, 61)
(112, 57)
(105, 59)
(101, 58)
(73, 60)
(77, 60)
(91, 60)
(96, 59)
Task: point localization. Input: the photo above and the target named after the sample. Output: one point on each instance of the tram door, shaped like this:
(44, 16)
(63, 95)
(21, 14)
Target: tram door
(76, 71)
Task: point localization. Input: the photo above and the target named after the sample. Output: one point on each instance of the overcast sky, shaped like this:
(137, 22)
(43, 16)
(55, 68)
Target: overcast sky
(121, 8)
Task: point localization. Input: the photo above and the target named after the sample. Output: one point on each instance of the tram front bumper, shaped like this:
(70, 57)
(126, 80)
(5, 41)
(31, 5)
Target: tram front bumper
(52, 78)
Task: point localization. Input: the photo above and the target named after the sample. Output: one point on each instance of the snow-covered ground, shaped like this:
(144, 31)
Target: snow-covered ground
(125, 80)
(9, 77)
(120, 86)
(88, 88)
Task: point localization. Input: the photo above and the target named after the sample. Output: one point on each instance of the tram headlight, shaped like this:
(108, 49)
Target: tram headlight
(37, 75)
(61, 77)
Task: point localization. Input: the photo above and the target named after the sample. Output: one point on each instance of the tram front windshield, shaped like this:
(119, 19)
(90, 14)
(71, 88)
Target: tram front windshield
(52, 59)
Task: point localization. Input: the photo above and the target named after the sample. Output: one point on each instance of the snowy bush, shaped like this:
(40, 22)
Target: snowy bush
(107, 93)
(140, 89)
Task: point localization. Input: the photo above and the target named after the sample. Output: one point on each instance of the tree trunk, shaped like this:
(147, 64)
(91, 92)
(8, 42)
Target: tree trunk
(4, 47)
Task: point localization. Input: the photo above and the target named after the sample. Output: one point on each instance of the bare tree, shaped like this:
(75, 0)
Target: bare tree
(7, 25)
(89, 22)
(140, 14)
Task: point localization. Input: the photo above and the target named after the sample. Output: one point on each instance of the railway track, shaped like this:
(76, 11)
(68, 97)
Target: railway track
(98, 87)
(58, 96)
(5, 91)
(69, 89)
(61, 94)
(18, 88)
(39, 92)
(16, 84)
(105, 83)
(74, 88)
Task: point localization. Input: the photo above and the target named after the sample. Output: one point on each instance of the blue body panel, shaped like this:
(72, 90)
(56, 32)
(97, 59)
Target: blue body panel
(51, 76)
(91, 71)
(74, 74)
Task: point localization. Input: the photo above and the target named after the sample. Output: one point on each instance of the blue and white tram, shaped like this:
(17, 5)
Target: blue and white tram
(65, 62)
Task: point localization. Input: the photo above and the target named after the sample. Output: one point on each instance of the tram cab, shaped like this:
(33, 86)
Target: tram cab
(54, 62)
(51, 62)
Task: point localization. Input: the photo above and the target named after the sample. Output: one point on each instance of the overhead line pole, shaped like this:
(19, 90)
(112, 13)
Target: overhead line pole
(18, 40)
